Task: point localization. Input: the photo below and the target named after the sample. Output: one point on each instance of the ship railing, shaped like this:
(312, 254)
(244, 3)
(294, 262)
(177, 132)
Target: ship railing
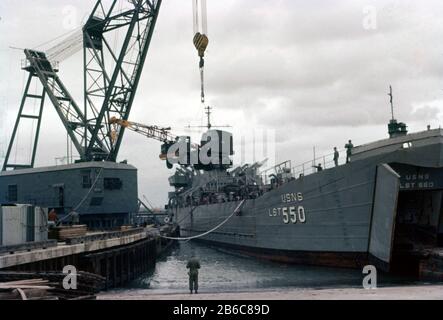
(326, 162)
(304, 169)
(279, 168)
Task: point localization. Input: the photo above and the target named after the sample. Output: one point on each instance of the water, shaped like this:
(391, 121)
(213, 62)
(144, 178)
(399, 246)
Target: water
(225, 272)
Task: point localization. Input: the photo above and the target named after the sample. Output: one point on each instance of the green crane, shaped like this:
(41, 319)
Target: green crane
(111, 77)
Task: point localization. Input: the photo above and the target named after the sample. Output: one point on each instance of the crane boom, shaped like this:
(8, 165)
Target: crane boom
(110, 92)
(111, 77)
(151, 132)
(156, 133)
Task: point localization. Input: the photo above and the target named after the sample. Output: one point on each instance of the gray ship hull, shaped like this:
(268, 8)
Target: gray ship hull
(337, 220)
(344, 216)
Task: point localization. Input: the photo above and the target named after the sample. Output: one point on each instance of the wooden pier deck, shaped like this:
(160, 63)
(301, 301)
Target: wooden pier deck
(118, 256)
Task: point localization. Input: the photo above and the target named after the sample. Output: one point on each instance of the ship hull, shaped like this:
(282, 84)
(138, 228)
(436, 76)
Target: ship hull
(327, 259)
(345, 216)
(296, 223)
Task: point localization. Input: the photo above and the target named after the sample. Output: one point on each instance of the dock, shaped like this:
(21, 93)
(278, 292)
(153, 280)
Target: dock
(119, 257)
(423, 292)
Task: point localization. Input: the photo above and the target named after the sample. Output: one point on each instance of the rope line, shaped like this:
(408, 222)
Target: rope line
(210, 231)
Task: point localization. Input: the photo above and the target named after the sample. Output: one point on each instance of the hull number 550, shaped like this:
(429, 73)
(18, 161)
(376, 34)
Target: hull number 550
(289, 214)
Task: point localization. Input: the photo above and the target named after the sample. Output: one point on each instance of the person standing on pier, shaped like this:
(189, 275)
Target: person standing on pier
(193, 266)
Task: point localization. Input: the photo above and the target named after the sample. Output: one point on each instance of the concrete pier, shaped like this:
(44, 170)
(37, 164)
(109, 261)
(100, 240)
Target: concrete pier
(431, 292)
(119, 257)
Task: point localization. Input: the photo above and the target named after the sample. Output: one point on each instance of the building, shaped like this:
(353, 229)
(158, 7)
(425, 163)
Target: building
(21, 224)
(103, 193)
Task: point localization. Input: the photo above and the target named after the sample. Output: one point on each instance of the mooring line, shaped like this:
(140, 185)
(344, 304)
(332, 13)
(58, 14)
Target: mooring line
(210, 231)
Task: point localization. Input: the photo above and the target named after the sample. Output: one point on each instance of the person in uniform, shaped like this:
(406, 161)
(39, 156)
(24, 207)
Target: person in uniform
(336, 156)
(349, 148)
(52, 218)
(75, 218)
(319, 167)
(193, 266)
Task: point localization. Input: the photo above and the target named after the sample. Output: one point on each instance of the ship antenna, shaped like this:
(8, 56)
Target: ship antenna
(395, 128)
(209, 125)
(392, 101)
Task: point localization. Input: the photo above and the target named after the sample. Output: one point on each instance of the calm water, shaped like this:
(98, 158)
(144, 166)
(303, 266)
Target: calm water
(223, 271)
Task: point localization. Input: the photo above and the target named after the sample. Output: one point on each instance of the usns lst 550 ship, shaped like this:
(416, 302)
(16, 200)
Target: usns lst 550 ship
(384, 206)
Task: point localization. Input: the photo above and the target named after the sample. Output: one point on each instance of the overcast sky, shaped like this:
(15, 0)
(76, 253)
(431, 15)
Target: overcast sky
(315, 72)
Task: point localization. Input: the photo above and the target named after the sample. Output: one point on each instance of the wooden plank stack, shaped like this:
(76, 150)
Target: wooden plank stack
(63, 233)
(31, 289)
(48, 286)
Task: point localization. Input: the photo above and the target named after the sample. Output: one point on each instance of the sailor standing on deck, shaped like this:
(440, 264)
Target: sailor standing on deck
(349, 148)
(336, 156)
(193, 266)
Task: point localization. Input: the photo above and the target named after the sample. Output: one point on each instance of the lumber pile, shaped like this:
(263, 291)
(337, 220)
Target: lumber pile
(48, 286)
(31, 289)
(69, 232)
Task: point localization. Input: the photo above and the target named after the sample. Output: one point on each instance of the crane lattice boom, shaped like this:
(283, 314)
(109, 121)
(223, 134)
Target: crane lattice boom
(151, 132)
(115, 41)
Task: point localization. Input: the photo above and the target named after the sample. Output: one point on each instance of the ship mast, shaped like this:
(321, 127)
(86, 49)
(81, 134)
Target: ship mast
(392, 101)
(395, 128)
